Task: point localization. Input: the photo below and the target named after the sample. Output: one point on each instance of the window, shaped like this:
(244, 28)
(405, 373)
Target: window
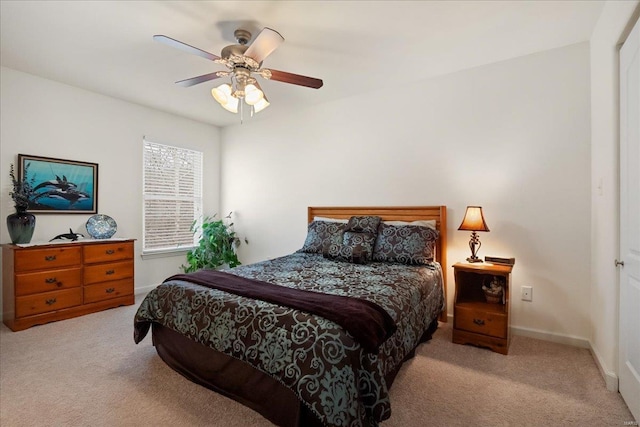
(172, 194)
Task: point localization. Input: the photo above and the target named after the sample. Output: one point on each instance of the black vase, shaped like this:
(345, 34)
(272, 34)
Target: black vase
(21, 225)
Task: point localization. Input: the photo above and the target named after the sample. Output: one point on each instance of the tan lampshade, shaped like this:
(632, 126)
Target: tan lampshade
(473, 220)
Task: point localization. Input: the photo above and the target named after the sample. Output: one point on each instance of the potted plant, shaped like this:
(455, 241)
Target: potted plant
(217, 245)
(21, 223)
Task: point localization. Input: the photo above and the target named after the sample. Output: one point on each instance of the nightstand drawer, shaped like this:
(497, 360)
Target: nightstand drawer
(481, 322)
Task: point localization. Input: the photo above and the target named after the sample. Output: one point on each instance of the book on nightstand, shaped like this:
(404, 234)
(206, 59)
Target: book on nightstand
(499, 260)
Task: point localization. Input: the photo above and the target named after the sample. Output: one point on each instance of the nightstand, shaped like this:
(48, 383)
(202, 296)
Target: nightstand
(476, 321)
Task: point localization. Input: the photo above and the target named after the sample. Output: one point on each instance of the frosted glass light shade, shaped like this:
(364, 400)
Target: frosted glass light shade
(231, 105)
(222, 94)
(261, 105)
(252, 95)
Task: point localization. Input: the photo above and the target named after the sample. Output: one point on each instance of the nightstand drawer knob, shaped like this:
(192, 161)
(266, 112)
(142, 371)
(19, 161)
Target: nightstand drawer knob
(478, 322)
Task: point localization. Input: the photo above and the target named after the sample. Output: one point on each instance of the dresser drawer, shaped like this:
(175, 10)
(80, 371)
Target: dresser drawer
(481, 322)
(107, 272)
(48, 301)
(41, 259)
(107, 290)
(108, 252)
(45, 281)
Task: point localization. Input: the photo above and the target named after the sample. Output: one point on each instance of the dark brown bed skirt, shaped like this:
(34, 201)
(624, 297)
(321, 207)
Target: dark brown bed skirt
(240, 381)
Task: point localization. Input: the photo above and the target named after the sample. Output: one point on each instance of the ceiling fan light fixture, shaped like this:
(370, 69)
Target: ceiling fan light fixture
(243, 60)
(252, 95)
(222, 94)
(260, 105)
(231, 105)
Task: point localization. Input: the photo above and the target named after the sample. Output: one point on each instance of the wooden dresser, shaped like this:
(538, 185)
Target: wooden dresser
(45, 283)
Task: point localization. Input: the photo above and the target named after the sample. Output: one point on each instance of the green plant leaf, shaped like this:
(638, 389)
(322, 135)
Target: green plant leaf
(216, 247)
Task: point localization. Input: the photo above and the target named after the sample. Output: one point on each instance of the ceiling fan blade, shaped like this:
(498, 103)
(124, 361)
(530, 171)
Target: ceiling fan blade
(200, 79)
(295, 79)
(266, 42)
(185, 47)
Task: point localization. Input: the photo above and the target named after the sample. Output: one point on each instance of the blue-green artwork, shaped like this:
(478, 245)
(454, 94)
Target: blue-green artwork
(60, 186)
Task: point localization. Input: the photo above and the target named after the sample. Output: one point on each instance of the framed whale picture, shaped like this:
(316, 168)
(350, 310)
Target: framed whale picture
(60, 186)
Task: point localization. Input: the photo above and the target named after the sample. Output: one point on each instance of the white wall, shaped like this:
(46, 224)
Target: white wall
(45, 118)
(513, 137)
(608, 33)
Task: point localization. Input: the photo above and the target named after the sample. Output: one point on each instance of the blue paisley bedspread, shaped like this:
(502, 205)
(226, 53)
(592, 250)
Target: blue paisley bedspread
(315, 358)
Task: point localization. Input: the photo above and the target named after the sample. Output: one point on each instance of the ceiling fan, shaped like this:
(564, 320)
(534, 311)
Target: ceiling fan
(243, 61)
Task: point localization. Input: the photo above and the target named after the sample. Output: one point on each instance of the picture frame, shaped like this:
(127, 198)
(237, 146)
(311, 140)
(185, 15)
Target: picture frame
(60, 186)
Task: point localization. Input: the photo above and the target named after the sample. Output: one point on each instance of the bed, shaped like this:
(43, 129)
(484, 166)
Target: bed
(294, 367)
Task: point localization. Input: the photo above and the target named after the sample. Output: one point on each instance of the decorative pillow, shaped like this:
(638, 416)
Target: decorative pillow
(407, 244)
(363, 224)
(341, 252)
(366, 241)
(320, 232)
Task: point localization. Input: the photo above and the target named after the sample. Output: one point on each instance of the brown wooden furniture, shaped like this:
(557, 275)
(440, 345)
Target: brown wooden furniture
(45, 283)
(476, 321)
(395, 213)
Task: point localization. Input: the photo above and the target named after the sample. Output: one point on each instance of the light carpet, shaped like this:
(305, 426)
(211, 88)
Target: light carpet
(87, 371)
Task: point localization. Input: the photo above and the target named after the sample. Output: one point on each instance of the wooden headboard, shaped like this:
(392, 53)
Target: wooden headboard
(398, 213)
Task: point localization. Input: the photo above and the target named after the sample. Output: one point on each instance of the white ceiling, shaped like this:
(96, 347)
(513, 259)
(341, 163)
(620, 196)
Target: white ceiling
(354, 46)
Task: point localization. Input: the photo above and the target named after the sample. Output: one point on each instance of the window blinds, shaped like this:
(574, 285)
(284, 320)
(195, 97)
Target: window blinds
(172, 194)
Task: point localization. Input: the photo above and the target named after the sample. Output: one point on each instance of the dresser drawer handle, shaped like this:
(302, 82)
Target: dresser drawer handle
(51, 301)
(110, 272)
(110, 252)
(110, 290)
(50, 280)
(478, 322)
(50, 258)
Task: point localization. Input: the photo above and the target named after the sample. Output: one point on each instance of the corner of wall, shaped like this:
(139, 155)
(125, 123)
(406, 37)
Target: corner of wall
(610, 378)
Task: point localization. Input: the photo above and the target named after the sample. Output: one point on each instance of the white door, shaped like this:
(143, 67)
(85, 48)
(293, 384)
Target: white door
(629, 339)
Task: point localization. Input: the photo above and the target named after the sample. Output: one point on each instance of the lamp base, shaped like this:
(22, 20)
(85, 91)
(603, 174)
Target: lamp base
(476, 259)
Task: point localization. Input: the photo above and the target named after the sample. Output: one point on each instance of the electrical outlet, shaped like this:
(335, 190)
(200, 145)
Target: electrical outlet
(527, 293)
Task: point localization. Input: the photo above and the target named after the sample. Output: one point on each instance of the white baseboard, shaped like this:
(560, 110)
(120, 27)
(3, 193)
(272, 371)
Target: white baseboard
(543, 335)
(550, 336)
(143, 290)
(610, 378)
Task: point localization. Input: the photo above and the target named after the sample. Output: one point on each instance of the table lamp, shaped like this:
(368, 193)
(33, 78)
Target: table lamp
(474, 221)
